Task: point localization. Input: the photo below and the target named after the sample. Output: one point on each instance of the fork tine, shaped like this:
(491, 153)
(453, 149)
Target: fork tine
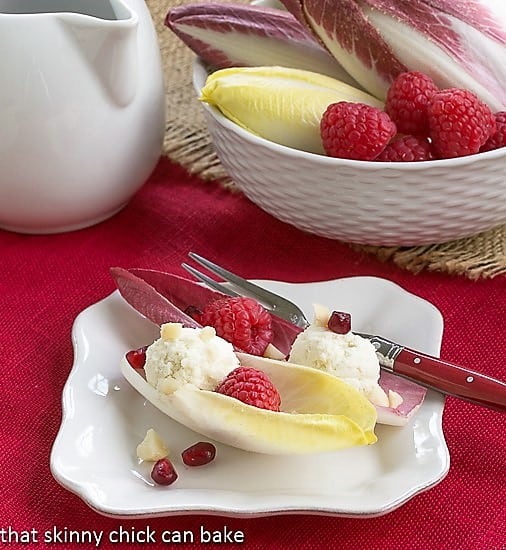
(254, 291)
(209, 282)
(273, 302)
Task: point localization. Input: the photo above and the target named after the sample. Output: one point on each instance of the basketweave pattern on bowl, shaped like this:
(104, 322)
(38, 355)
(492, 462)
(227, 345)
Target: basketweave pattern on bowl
(391, 204)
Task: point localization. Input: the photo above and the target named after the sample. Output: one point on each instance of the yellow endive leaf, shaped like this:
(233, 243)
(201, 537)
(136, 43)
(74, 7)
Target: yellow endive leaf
(319, 412)
(303, 392)
(278, 103)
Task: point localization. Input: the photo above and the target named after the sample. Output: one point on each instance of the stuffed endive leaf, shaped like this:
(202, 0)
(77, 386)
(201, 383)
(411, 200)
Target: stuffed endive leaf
(319, 413)
(164, 297)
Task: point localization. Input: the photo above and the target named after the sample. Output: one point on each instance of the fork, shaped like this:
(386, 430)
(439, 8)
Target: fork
(272, 302)
(429, 371)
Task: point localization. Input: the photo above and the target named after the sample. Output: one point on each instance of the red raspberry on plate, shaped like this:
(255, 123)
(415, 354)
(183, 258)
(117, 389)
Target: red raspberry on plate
(407, 100)
(355, 130)
(251, 386)
(498, 139)
(241, 321)
(460, 123)
(407, 149)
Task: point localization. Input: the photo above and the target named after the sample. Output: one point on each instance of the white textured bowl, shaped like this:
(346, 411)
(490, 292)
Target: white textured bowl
(393, 204)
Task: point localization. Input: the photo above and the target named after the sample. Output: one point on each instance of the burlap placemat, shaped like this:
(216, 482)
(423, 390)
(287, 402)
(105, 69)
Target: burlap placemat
(188, 143)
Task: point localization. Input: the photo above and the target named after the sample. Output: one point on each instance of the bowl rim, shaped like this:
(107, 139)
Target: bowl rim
(200, 73)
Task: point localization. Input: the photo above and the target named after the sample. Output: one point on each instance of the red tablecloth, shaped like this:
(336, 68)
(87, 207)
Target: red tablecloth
(45, 281)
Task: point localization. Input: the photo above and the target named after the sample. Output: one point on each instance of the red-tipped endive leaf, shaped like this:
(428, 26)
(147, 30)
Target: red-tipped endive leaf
(344, 30)
(141, 288)
(458, 43)
(240, 35)
(163, 297)
(412, 398)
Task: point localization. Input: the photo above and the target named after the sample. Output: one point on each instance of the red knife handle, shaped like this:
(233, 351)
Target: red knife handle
(451, 379)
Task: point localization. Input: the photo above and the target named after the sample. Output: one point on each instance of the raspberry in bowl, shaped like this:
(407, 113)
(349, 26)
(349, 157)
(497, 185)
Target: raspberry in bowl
(397, 199)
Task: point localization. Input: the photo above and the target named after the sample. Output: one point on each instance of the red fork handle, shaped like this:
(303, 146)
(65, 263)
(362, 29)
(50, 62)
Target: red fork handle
(451, 379)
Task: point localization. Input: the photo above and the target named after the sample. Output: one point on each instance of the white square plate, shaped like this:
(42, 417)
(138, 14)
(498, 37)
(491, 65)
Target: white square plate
(104, 419)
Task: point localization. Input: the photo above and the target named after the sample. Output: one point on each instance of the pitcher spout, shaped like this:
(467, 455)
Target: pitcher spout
(107, 42)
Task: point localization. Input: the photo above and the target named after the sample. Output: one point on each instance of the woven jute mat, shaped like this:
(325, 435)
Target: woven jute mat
(188, 143)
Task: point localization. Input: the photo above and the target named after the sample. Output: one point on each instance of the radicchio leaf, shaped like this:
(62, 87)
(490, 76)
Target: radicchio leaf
(163, 298)
(241, 35)
(458, 43)
(412, 398)
(141, 288)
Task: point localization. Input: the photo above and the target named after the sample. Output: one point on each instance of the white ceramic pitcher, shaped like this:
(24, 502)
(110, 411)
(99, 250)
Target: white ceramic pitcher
(82, 110)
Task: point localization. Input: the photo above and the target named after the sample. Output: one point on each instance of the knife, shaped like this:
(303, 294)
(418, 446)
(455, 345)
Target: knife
(439, 375)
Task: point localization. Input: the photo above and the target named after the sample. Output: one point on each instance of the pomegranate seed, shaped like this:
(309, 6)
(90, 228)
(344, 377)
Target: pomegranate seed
(199, 454)
(163, 472)
(194, 312)
(137, 357)
(340, 322)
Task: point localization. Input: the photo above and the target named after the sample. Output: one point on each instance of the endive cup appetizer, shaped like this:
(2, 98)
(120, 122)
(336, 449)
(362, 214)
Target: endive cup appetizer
(318, 412)
(281, 104)
(165, 297)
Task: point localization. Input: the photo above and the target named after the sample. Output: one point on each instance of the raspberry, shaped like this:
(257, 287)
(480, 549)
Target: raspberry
(355, 131)
(498, 139)
(407, 100)
(460, 123)
(251, 386)
(407, 149)
(242, 321)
